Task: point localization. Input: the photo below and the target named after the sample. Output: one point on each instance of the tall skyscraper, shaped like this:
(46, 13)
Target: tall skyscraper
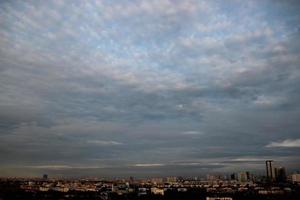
(270, 170)
(280, 174)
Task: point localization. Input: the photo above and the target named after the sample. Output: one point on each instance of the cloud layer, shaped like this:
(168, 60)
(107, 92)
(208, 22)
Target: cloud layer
(285, 143)
(148, 87)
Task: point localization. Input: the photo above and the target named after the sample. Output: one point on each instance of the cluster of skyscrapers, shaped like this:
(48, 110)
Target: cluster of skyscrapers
(275, 173)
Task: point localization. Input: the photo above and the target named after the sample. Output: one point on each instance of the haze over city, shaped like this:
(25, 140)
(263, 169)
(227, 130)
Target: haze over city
(148, 88)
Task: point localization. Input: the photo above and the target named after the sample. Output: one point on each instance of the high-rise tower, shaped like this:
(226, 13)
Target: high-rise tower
(280, 174)
(270, 170)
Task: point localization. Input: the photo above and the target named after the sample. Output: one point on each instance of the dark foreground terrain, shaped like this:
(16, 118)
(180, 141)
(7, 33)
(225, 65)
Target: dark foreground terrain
(10, 190)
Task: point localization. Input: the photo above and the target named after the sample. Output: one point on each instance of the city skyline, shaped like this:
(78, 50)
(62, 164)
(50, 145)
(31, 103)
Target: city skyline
(148, 88)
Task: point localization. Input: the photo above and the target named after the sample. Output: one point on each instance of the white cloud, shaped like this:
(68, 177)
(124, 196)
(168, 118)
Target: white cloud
(190, 164)
(285, 143)
(192, 133)
(149, 165)
(104, 142)
(250, 159)
(50, 166)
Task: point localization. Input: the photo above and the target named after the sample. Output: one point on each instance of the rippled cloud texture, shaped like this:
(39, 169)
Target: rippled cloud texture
(158, 87)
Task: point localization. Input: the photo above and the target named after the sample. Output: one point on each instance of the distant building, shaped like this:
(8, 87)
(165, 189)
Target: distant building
(172, 179)
(296, 178)
(156, 180)
(232, 177)
(45, 176)
(243, 176)
(280, 174)
(131, 179)
(270, 170)
(142, 191)
(210, 177)
(218, 198)
(180, 178)
(157, 191)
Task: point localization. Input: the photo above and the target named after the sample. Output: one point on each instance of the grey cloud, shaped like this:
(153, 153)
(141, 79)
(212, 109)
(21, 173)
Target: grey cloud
(184, 84)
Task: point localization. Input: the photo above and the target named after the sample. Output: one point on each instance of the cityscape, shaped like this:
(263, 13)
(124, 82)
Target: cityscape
(275, 184)
(150, 99)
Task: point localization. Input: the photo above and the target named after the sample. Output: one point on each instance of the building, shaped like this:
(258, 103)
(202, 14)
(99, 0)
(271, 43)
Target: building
(218, 198)
(156, 180)
(157, 191)
(172, 179)
(211, 177)
(296, 178)
(131, 179)
(232, 177)
(270, 170)
(248, 176)
(243, 176)
(45, 176)
(280, 174)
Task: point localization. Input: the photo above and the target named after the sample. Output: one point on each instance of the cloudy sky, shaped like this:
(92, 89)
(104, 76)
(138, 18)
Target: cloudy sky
(148, 87)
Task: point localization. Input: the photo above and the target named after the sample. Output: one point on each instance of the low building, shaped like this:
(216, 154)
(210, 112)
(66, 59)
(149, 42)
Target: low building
(296, 178)
(157, 191)
(172, 179)
(218, 198)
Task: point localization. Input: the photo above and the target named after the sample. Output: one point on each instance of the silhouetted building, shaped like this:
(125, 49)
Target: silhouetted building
(248, 176)
(270, 170)
(131, 179)
(280, 174)
(232, 177)
(45, 176)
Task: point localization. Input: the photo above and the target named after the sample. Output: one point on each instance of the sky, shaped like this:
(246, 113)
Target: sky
(148, 87)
